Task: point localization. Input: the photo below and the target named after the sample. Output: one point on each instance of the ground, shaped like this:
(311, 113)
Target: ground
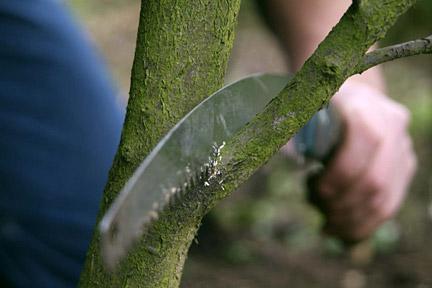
(269, 236)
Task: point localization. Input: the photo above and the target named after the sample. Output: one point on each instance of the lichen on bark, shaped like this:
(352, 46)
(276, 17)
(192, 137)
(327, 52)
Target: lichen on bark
(336, 59)
(180, 58)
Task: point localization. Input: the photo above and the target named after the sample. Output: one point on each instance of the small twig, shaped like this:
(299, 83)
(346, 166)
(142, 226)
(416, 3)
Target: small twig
(412, 48)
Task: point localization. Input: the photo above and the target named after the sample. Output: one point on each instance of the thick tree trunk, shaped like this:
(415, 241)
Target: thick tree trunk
(181, 57)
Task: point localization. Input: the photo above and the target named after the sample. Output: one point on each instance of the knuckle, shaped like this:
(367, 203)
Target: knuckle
(370, 133)
(362, 124)
(402, 116)
(405, 113)
(374, 136)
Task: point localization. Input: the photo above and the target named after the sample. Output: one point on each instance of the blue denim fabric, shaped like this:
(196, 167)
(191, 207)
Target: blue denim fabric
(59, 128)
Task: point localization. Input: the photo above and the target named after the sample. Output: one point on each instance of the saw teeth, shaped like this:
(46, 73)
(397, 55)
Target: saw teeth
(204, 177)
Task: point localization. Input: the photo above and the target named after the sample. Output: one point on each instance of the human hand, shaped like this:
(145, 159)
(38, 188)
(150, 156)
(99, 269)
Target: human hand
(367, 179)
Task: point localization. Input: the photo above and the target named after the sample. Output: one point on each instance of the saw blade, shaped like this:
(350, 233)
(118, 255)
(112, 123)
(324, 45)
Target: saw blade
(180, 155)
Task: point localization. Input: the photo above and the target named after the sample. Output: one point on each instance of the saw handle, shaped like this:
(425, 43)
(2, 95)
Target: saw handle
(318, 140)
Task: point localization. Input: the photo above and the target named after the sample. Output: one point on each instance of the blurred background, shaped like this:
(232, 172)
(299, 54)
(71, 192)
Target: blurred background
(266, 234)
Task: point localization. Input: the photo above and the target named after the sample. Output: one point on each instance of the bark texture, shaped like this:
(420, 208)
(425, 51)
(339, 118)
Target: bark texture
(336, 59)
(411, 48)
(181, 57)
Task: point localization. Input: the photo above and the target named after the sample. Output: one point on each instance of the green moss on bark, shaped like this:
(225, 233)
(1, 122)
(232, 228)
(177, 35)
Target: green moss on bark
(336, 59)
(411, 48)
(181, 57)
(182, 51)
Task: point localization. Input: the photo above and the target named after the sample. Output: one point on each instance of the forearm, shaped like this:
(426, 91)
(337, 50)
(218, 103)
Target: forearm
(302, 25)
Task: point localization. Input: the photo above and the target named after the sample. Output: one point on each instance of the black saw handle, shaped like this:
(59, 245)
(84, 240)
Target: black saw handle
(318, 141)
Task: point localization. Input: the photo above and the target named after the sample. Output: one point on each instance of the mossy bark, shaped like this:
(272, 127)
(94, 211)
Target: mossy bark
(335, 60)
(181, 57)
(411, 48)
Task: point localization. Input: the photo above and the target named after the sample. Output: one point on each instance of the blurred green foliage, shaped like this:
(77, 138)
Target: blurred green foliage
(272, 207)
(278, 212)
(415, 23)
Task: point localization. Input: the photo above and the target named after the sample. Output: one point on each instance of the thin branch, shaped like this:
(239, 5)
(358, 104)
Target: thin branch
(310, 89)
(412, 48)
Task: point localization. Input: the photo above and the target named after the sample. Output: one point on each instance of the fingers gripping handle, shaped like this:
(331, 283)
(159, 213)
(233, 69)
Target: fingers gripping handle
(318, 140)
(320, 136)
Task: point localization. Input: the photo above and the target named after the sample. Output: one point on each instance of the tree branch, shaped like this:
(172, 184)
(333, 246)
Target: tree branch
(334, 61)
(379, 56)
(181, 57)
(158, 259)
